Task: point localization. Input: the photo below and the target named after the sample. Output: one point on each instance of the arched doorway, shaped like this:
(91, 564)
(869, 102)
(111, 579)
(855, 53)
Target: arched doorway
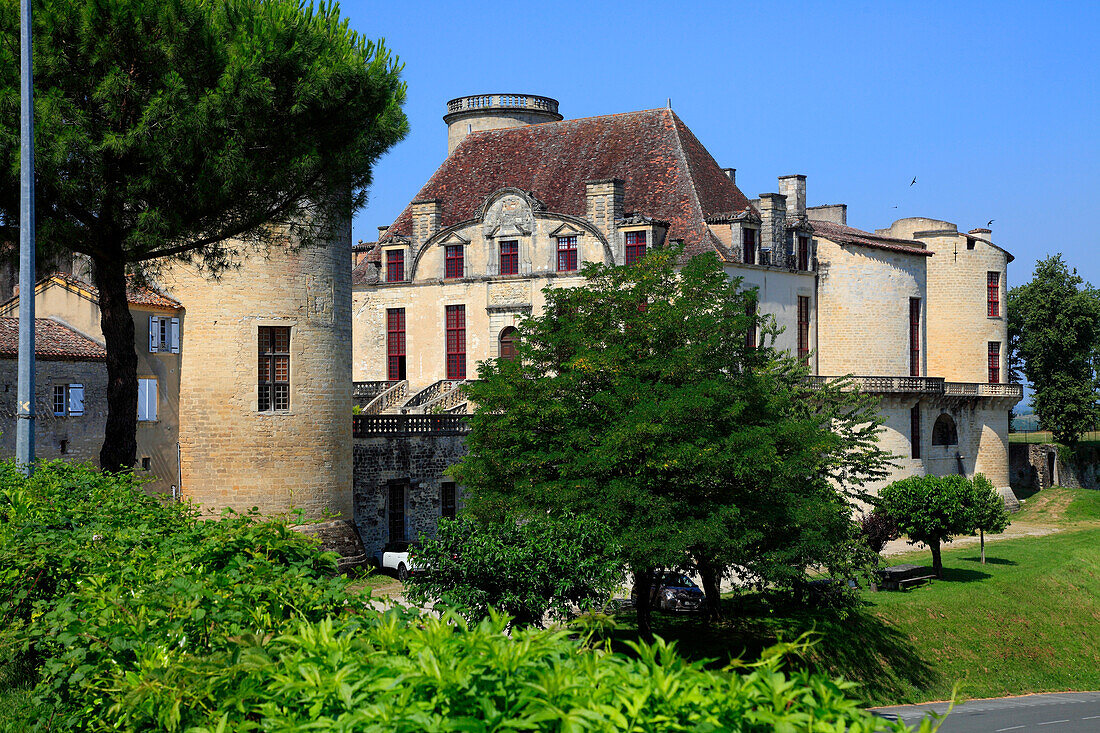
(944, 431)
(509, 339)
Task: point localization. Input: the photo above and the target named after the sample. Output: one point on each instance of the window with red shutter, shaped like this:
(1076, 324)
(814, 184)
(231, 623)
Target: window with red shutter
(914, 337)
(635, 247)
(994, 362)
(993, 290)
(567, 254)
(454, 261)
(748, 246)
(395, 266)
(456, 342)
(395, 343)
(509, 258)
(804, 329)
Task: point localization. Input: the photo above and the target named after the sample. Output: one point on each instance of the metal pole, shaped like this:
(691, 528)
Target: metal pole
(24, 429)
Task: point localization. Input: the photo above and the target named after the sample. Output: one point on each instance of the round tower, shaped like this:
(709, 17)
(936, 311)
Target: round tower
(479, 112)
(265, 407)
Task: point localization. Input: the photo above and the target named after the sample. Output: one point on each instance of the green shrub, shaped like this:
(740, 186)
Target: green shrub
(524, 566)
(133, 614)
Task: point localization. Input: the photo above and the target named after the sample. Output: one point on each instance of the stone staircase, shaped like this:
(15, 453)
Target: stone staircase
(393, 398)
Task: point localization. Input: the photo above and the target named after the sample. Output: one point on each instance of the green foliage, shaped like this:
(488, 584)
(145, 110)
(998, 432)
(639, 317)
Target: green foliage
(990, 513)
(1054, 330)
(635, 399)
(524, 566)
(933, 509)
(95, 576)
(139, 615)
(377, 674)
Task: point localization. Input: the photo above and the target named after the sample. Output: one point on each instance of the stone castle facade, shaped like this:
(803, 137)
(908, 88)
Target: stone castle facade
(915, 311)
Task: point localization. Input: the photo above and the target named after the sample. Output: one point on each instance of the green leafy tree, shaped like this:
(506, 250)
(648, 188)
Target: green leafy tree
(990, 513)
(635, 399)
(1054, 337)
(524, 566)
(932, 510)
(193, 130)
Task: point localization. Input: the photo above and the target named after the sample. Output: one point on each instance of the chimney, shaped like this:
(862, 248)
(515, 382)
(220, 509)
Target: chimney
(604, 203)
(382, 232)
(731, 173)
(836, 213)
(427, 217)
(773, 221)
(794, 188)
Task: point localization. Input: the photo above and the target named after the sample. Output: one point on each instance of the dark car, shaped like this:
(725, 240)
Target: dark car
(674, 592)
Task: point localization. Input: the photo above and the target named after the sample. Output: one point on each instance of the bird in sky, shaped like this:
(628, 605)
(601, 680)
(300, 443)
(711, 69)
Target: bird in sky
(990, 222)
(913, 181)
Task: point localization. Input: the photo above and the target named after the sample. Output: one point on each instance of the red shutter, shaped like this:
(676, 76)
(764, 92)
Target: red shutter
(509, 258)
(395, 266)
(567, 254)
(994, 362)
(993, 289)
(454, 261)
(395, 344)
(635, 247)
(914, 337)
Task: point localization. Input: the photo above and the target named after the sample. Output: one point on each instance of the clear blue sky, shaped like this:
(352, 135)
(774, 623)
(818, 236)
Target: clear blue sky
(994, 107)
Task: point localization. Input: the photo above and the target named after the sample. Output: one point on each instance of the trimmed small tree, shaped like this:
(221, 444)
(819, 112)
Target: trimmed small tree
(527, 566)
(932, 510)
(990, 513)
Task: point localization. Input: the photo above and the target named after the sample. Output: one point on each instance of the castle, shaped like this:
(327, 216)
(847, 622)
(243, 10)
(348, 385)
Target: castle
(246, 382)
(916, 311)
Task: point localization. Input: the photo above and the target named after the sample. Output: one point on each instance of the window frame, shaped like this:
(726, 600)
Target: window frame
(993, 294)
(803, 253)
(448, 499)
(567, 247)
(395, 265)
(395, 510)
(61, 391)
(454, 325)
(993, 352)
(396, 345)
(151, 411)
(914, 337)
(512, 256)
(267, 394)
(804, 329)
(749, 245)
(633, 249)
(454, 261)
(914, 431)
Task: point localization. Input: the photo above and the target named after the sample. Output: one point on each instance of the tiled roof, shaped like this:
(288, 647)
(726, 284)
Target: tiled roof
(136, 294)
(52, 341)
(364, 273)
(849, 235)
(667, 172)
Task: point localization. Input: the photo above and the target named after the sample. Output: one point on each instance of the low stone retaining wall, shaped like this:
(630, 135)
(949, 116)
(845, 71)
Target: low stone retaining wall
(1037, 466)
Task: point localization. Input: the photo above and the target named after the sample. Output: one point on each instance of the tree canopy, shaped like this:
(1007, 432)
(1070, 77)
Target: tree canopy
(1054, 335)
(636, 399)
(189, 129)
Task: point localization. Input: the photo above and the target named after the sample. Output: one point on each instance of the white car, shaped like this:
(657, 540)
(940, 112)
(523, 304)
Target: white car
(395, 557)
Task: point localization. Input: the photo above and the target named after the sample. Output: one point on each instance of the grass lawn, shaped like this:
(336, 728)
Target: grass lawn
(1091, 439)
(1027, 621)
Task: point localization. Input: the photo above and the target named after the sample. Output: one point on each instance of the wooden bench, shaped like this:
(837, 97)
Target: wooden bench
(898, 577)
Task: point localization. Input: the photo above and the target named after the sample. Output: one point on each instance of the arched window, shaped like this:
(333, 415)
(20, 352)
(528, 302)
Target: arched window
(509, 338)
(943, 432)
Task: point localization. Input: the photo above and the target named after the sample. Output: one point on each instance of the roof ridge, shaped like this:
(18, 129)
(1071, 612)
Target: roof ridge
(682, 157)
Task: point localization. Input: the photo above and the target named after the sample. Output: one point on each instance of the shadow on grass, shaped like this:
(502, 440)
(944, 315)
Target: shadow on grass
(963, 575)
(989, 560)
(856, 645)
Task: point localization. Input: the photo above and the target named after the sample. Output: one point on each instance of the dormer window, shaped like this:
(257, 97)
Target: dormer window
(635, 246)
(567, 254)
(748, 246)
(509, 258)
(454, 259)
(803, 253)
(395, 265)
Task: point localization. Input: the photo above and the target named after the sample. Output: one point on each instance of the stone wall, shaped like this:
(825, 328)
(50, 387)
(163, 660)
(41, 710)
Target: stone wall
(416, 461)
(863, 309)
(1030, 466)
(82, 434)
(233, 455)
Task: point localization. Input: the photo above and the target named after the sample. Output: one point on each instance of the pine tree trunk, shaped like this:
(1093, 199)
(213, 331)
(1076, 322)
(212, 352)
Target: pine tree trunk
(643, 588)
(711, 576)
(119, 451)
(981, 534)
(937, 562)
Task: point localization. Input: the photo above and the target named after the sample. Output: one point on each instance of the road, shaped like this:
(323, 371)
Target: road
(1063, 712)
